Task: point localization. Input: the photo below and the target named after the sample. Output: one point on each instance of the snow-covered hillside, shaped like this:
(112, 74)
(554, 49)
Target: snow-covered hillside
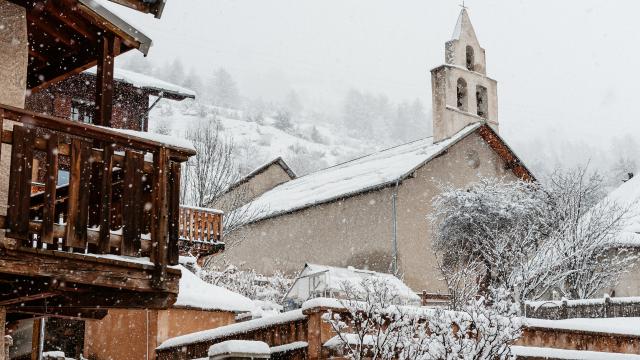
(304, 146)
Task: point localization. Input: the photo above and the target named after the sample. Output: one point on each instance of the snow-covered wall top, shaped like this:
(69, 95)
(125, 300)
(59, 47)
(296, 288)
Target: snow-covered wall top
(232, 329)
(147, 82)
(353, 177)
(196, 293)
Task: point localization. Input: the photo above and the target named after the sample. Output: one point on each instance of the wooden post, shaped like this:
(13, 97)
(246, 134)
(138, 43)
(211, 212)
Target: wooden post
(3, 321)
(104, 80)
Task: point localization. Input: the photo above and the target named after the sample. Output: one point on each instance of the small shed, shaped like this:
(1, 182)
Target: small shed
(329, 281)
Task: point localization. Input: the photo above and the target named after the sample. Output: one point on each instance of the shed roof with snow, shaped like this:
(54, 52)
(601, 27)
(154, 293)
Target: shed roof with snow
(378, 170)
(330, 281)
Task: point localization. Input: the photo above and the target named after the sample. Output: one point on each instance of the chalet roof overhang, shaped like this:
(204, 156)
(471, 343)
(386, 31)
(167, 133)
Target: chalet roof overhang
(154, 7)
(65, 35)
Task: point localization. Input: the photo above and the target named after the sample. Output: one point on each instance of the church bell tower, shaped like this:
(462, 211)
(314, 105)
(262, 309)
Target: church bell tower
(462, 92)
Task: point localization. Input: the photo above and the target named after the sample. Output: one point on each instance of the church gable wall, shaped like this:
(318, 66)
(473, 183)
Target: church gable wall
(464, 163)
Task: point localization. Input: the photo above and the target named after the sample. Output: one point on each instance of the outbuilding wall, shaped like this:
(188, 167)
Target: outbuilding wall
(133, 334)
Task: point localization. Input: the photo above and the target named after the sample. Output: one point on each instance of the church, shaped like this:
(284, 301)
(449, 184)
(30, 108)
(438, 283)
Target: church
(373, 212)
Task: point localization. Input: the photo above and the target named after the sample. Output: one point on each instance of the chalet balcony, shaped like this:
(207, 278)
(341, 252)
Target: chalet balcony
(103, 223)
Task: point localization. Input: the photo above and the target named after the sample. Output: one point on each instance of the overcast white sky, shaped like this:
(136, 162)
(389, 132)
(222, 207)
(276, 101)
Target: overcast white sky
(563, 67)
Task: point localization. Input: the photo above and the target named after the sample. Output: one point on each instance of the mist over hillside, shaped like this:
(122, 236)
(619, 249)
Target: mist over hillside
(310, 139)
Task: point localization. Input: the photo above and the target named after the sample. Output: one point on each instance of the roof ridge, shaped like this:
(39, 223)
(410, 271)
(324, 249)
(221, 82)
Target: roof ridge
(367, 155)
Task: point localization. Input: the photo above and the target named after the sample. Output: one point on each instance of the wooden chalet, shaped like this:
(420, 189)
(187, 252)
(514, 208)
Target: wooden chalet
(109, 238)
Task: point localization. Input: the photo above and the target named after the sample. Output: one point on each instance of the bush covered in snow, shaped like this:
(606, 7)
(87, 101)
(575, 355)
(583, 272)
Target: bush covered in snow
(532, 239)
(371, 327)
(248, 282)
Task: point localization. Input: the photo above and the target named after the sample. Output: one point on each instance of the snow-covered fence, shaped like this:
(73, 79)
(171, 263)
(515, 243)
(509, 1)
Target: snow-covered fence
(606, 307)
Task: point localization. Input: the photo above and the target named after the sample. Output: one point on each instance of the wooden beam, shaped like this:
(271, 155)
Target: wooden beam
(104, 80)
(105, 200)
(60, 312)
(91, 131)
(72, 21)
(83, 269)
(51, 184)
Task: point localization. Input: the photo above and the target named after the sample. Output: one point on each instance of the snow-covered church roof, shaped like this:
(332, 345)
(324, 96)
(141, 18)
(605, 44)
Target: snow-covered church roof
(627, 196)
(374, 171)
(195, 293)
(149, 83)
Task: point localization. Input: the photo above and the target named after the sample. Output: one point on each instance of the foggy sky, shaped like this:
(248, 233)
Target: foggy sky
(564, 68)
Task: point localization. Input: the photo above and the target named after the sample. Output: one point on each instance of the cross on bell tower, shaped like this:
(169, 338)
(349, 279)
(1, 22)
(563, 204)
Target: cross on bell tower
(462, 92)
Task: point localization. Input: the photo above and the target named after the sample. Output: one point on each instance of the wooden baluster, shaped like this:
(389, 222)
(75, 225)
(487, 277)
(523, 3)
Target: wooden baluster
(132, 204)
(217, 229)
(174, 213)
(220, 226)
(160, 216)
(105, 200)
(79, 186)
(20, 182)
(183, 224)
(50, 185)
(196, 228)
(191, 224)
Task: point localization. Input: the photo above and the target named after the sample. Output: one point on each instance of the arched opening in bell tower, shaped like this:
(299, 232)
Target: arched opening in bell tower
(462, 94)
(482, 103)
(470, 59)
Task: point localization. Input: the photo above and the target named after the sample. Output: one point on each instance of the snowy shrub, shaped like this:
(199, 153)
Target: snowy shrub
(370, 327)
(532, 239)
(248, 283)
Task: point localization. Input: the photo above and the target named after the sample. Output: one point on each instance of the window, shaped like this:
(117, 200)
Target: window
(470, 58)
(482, 104)
(462, 94)
(82, 111)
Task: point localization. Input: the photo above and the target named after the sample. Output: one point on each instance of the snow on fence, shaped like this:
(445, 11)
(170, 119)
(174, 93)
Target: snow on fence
(607, 307)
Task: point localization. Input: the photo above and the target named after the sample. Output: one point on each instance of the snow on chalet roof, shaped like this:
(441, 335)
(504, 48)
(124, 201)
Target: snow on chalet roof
(350, 178)
(233, 329)
(147, 82)
(164, 139)
(198, 294)
(120, 17)
(627, 195)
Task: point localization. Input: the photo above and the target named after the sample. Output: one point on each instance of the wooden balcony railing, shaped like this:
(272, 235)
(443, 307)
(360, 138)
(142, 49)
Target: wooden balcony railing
(200, 231)
(200, 224)
(122, 197)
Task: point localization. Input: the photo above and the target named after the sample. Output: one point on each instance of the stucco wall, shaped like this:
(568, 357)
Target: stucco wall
(358, 231)
(629, 284)
(128, 334)
(13, 77)
(13, 54)
(121, 335)
(257, 185)
(176, 322)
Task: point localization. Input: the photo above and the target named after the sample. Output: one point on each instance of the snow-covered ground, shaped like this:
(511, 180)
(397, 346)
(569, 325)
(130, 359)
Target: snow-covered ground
(259, 142)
